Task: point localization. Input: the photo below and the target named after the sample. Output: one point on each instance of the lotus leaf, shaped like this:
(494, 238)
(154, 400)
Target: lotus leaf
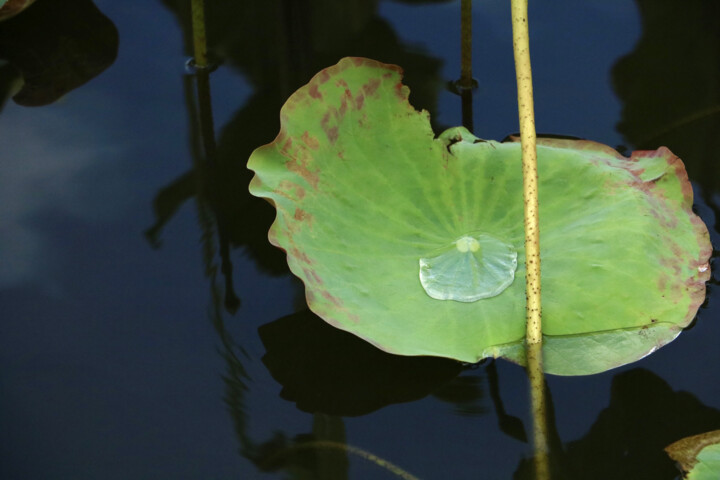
(698, 456)
(10, 8)
(367, 197)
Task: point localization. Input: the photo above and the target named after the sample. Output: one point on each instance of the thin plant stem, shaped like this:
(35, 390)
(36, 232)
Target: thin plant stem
(533, 337)
(466, 83)
(529, 167)
(538, 408)
(466, 44)
(682, 122)
(199, 39)
(380, 462)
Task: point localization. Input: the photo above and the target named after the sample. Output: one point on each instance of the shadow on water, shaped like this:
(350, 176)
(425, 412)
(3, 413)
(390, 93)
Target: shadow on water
(54, 47)
(323, 369)
(670, 85)
(333, 374)
(627, 438)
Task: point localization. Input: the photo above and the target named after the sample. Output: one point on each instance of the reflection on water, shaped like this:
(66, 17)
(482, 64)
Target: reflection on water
(669, 85)
(323, 369)
(627, 439)
(120, 361)
(56, 47)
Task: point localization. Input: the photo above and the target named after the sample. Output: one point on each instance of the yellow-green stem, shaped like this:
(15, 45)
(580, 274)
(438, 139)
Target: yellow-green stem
(391, 467)
(199, 41)
(539, 413)
(526, 112)
(523, 72)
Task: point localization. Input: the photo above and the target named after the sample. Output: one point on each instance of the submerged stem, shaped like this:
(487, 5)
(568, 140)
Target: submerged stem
(539, 411)
(523, 72)
(466, 84)
(466, 44)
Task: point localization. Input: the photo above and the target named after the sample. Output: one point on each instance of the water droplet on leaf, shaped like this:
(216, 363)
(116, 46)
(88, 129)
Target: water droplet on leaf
(472, 267)
(465, 244)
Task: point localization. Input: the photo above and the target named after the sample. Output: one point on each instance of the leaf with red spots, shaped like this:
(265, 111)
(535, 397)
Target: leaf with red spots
(365, 192)
(698, 456)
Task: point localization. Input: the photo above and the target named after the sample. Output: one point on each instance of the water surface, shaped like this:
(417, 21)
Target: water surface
(121, 355)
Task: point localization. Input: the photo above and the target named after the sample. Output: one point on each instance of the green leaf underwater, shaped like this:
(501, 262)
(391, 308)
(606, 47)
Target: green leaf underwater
(415, 242)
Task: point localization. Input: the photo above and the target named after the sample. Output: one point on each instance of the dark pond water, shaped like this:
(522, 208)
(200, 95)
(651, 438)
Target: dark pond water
(121, 352)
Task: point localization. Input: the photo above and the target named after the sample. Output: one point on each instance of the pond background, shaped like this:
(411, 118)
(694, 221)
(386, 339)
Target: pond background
(118, 356)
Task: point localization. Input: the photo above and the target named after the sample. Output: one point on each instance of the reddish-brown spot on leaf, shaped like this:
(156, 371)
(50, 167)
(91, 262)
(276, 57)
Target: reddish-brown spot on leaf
(331, 298)
(332, 134)
(330, 131)
(286, 147)
(401, 91)
(299, 161)
(371, 87)
(315, 277)
(301, 169)
(290, 190)
(302, 216)
(300, 256)
(311, 278)
(703, 238)
(310, 141)
(671, 279)
(343, 106)
(359, 100)
(314, 92)
(323, 76)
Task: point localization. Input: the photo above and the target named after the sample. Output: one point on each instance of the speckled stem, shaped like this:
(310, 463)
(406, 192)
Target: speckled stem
(526, 112)
(199, 41)
(539, 412)
(523, 72)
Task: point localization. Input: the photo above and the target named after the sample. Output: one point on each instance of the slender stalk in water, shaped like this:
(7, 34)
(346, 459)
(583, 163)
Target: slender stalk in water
(523, 72)
(199, 40)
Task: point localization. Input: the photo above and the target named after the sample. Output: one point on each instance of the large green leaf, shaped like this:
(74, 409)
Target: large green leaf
(367, 197)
